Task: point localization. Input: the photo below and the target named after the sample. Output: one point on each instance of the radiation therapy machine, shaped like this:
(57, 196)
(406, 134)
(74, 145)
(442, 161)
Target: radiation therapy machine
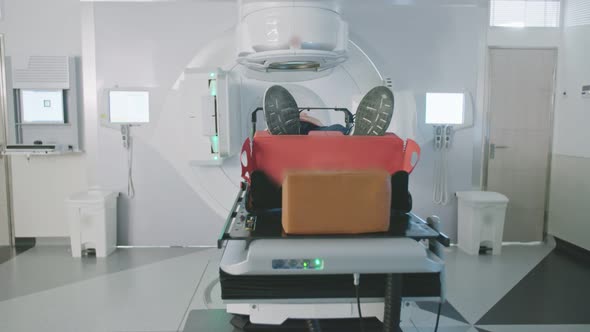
(321, 232)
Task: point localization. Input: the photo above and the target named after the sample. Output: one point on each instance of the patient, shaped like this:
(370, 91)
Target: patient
(283, 117)
(309, 123)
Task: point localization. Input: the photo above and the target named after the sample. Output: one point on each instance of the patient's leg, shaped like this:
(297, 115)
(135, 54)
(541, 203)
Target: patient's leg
(374, 112)
(281, 112)
(334, 127)
(307, 127)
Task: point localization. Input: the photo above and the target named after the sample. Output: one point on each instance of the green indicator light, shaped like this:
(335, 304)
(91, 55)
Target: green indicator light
(318, 262)
(305, 264)
(215, 144)
(213, 87)
(212, 75)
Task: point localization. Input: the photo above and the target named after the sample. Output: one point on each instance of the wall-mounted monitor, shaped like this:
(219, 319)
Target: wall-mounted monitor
(42, 106)
(445, 108)
(129, 106)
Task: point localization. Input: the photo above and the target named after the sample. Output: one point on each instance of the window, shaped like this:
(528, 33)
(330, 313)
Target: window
(128, 107)
(525, 13)
(42, 106)
(445, 108)
(577, 13)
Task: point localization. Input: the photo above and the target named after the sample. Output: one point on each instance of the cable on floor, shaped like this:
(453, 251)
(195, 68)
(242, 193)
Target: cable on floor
(357, 288)
(313, 325)
(130, 184)
(438, 316)
(358, 303)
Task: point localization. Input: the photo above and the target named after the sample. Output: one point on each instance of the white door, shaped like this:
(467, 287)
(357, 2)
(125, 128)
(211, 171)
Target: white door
(521, 106)
(5, 230)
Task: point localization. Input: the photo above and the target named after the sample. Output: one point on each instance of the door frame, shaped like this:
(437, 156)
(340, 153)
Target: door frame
(6, 159)
(487, 124)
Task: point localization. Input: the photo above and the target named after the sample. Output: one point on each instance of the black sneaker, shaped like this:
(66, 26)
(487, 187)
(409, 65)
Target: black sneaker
(374, 112)
(281, 111)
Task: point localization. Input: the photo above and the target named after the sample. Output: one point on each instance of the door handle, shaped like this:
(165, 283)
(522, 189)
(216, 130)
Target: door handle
(493, 148)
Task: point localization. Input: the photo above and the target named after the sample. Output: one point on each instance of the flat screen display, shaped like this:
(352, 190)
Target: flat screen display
(129, 106)
(42, 106)
(445, 108)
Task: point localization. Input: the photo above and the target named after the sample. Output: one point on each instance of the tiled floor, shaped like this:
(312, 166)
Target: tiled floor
(6, 253)
(546, 303)
(527, 288)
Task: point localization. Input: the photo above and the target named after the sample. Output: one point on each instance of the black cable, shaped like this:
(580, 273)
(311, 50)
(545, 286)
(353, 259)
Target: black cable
(438, 316)
(313, 325)
(358, 303)
(392, 303)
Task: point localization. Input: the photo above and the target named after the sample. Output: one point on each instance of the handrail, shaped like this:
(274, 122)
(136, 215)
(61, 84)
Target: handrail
(232, 214)
(348, 116)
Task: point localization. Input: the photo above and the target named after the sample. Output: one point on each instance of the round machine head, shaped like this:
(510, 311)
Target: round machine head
(374, 112)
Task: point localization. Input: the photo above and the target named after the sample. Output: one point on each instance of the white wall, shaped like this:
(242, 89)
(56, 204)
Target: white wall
(428, 48)
(40, 27)
(39, 187)
(571, 116)
(524, 37)
(5, 226)
(4, 213)
(5, 229)
(148, 45)
(569, 210)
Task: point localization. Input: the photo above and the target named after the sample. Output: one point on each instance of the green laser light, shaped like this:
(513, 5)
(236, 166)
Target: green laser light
(215, 144)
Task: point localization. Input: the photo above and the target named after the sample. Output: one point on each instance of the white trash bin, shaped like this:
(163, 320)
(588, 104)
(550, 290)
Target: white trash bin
(93, 222)
(481, 220)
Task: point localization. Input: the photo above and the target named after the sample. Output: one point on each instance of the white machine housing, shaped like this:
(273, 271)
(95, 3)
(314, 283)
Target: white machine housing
(342, 85)
(339, 256)
(291, 35)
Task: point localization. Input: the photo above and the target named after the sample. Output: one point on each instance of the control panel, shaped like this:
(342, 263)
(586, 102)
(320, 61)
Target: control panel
(298, 264)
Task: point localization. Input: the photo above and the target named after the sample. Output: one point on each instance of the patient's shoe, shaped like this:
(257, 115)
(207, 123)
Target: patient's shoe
(281, 111)
(374, 112)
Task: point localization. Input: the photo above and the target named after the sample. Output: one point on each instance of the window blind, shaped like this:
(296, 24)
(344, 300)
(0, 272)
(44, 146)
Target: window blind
(525, 13)
(577, 13)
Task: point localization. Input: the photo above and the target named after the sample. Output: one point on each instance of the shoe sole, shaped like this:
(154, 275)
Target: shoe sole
(281, 111)
(374, 112)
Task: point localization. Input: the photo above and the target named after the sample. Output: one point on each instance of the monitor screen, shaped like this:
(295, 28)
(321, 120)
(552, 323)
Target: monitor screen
(42, 106)
(129, 106)
(445, 108)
